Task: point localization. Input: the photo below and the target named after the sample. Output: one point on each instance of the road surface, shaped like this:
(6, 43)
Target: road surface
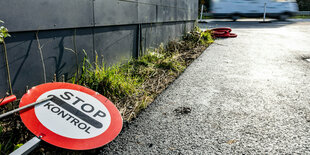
(244, 95)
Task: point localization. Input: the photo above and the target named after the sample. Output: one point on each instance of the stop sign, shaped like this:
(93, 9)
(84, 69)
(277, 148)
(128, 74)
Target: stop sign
(75, 118)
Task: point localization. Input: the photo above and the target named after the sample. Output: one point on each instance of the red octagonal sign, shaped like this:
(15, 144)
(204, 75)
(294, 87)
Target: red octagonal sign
(75, 118)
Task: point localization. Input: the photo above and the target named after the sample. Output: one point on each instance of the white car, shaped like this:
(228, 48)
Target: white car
(234, 9)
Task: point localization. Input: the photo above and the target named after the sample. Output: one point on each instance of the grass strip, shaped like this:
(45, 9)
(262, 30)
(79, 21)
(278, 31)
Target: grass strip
(134, 85)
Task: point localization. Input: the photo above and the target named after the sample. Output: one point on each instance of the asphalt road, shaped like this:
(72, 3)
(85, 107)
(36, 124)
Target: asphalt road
(244, 95)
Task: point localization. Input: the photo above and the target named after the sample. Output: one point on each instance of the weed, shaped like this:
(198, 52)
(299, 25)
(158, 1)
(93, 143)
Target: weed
(136, 83)
(109, 81)
(3, 33)
(197, 29)
(206, 38)
(172, 63)
(17, 146)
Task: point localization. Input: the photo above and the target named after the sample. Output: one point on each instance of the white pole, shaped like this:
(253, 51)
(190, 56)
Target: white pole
(265, 11)
(25, 107)
(201, 12)
(27, 147)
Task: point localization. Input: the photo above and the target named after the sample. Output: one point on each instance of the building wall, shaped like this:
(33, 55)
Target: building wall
(115, 30)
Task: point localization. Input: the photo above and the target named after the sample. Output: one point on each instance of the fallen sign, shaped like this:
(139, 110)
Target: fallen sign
(74, 117)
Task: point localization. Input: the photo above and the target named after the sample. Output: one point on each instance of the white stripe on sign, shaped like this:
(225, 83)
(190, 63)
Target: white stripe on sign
(73, 114)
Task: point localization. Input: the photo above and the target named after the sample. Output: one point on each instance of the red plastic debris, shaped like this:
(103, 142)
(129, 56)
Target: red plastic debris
(223, 32)
(7, 100)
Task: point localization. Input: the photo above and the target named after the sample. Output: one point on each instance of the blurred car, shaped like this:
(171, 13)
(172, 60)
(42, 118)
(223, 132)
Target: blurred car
(235, 9)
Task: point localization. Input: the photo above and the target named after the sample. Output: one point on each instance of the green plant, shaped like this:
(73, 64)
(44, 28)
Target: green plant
(171, 63)
(17, 146)
(136, 83)
(197, 29)
(206, 38)
(109, 81)
(3, 33)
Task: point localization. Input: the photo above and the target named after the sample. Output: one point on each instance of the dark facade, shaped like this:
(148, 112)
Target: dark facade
(115, 30)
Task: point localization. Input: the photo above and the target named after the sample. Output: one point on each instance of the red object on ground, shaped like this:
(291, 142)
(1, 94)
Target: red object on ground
(7, 100)
(222, 32)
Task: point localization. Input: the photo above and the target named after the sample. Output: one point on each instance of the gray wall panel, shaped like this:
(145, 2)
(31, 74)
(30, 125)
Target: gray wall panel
(150, 2)
(166, 33)
(59, 14)
(194, 10)
(183, 4)
(149, 39)
(25, 15)
(115, 12)
(184, 10)
(179, 30)
(159, 31)
(182, 15)
(167, 11)
(167, 14)
(69, 24)
(25, 62)
(189, 26)
(116, 44)
(57, 59)
(147, 13)
(169, 3)
(84, 41)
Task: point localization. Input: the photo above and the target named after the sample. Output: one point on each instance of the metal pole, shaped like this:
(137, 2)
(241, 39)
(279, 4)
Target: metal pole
(27, 147)
(265, 11)
(25, 107)
(201, 12)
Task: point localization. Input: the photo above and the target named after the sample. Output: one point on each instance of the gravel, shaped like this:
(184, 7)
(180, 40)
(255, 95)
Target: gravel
(244, 95)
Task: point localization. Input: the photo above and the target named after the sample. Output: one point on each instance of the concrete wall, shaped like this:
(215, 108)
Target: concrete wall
(113, 29)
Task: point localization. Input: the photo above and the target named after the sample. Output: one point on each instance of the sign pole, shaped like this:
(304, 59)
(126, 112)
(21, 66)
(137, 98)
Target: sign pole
(201, 12)
(27, 147)
(24, 107)
(265, 11)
